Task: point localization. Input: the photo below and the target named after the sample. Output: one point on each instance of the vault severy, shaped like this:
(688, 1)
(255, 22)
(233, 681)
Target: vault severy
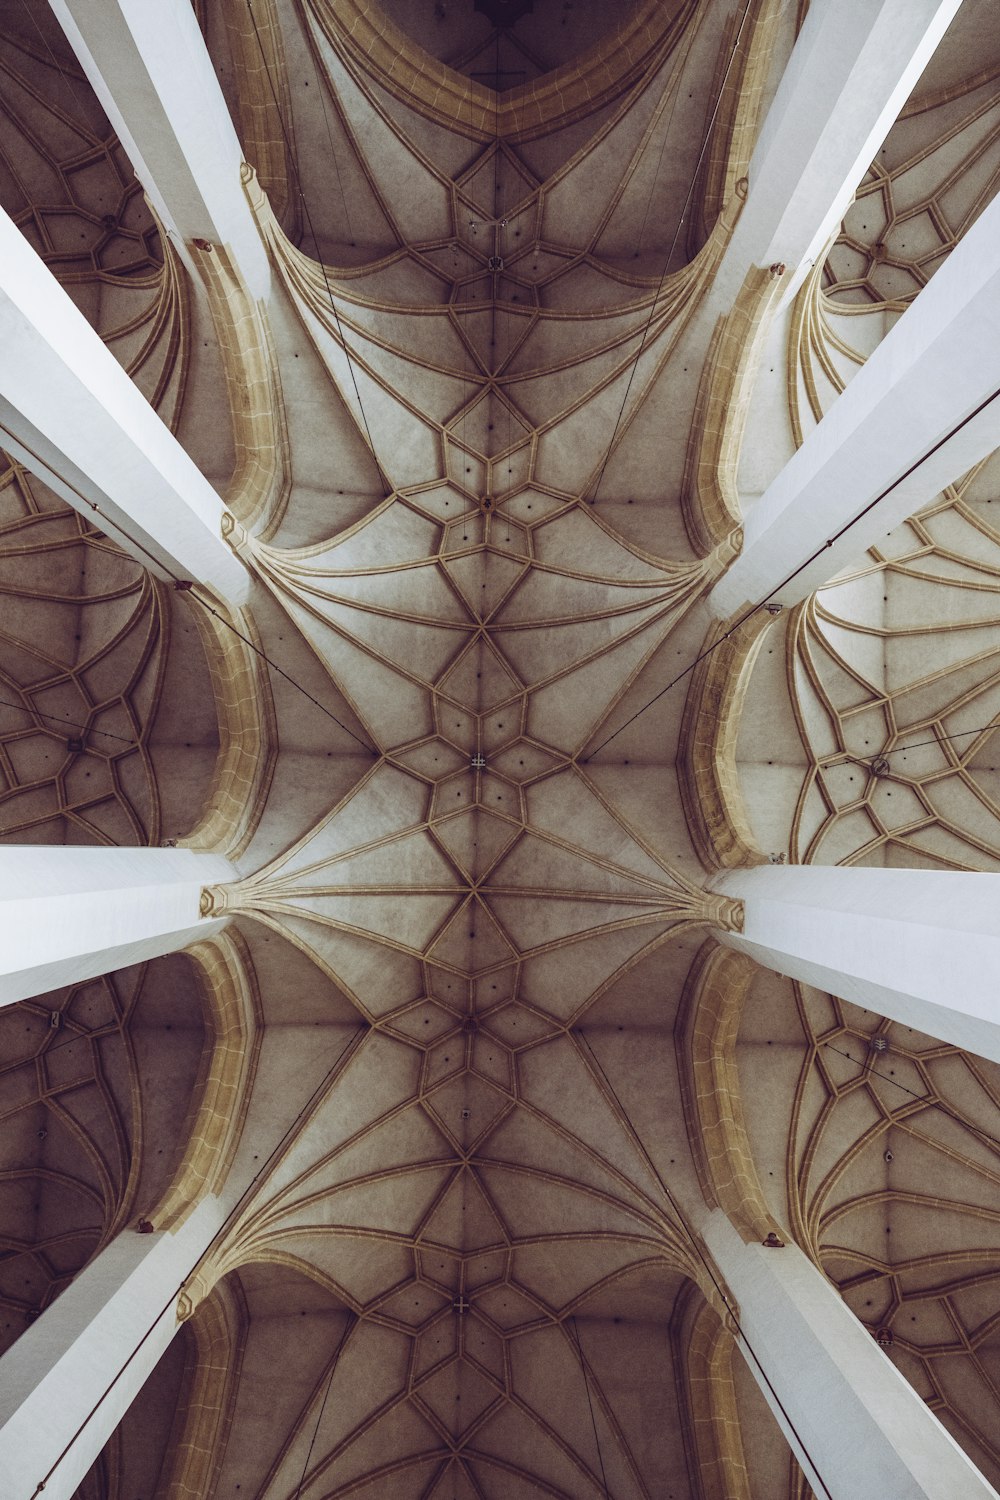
(472, 1220)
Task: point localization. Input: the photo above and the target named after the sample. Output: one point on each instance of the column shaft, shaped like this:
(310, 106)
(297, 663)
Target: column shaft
(68, 1381)
(850, 73)
(919, 946)
(150, 68)
(930, 375)
(70, 413)
(69, 914)
(857, 1427)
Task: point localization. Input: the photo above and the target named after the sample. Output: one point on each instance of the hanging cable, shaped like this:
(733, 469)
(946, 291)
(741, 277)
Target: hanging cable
(352, 1320)
(831, 541)
(936, 1103)
(590, 1403)
(706, 1263)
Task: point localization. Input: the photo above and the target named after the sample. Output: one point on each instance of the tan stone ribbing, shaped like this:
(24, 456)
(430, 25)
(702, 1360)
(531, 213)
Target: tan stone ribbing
(216, 1335)
(705, 1039)
(247, 734)
(229, 1060)
(368, 40)
(703, 1352)
(707, 771)
(264, 116)
(709, 493)
(742, 78)
(258, 490)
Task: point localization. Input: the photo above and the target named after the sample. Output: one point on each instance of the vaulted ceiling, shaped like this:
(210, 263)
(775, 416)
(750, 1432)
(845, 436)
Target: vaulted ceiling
(472, 912)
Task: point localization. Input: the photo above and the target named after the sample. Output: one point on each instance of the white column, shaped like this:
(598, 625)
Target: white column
(930, 375)
(70, 413)
(857, 1427)
(150, 68)
(69, 913)
(851, 71)
(919, 946)
(70, 1378)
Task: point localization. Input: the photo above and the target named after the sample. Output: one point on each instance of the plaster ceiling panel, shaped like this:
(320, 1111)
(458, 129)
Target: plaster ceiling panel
(472, 940)
(585, 285)
(535, 1148)
(535, 924)
(562, 982)
(484, 579)
(491, 334)
(468, 1109)
(574, 450)
(386, 804)
(464, 1218)
(481, 677)
(389, 426)
(425, 648)
(409, 590)
(398, 281)
(489, 425)
(397, 709)
(561, 866)
(275, 1421)
(578, 197)
(567, 711)
(415, 197)
(458, 1397)
(476, 840)
(497, 183)
(557, 1081)
(435, 393)
(546, 652)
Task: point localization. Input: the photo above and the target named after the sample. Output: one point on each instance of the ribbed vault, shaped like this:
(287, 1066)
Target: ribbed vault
(469, 998)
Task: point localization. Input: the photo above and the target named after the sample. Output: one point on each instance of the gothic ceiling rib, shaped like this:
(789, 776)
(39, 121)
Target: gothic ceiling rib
(891, 1178)
(466, 1275)
(494, 1244)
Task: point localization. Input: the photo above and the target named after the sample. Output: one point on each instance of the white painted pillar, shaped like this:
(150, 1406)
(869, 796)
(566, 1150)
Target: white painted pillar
(852, 69)
(150, 68)
(931, 374)
(70, 413)
(919, 946)
(69, 913)
(857, 1427)
(70, 1378)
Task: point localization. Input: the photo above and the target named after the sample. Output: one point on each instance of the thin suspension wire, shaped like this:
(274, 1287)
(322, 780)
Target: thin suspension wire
(293, 163)
(326, 1396)
(590, 1403)
(673, 243)
(936, 1103)
(67, 723)
(310, 1102)
(831, 541)
(699, 1251)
